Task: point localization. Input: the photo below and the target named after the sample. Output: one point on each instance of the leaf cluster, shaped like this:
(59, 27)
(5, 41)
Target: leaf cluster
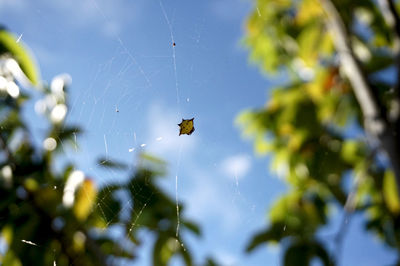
(313, 127)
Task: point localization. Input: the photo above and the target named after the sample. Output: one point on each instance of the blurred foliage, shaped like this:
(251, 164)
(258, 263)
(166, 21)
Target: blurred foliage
(313, 127)
(60, 217)
(8, 47)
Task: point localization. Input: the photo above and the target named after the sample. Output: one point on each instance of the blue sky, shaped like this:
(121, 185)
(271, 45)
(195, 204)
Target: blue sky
(120, 57)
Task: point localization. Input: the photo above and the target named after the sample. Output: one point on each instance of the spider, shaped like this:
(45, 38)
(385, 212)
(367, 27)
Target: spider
(186, 126)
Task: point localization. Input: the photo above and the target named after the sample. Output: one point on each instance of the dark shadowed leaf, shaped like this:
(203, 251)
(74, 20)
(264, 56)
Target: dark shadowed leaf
(108, 163)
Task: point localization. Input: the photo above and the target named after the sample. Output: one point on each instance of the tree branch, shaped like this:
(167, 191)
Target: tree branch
(375, 121)
(362, 90)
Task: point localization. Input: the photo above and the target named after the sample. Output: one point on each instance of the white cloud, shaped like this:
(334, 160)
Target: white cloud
(236, 166)
(206, 199)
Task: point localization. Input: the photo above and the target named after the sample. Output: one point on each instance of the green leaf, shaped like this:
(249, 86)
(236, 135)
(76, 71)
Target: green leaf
(162, 250)
(210, 262)
(302, 253)
(107, 207)
(69, 132)
(11, 259)
(390, 193)
(259, 239)
(108, 163)
(194, 228)
(9, 44)
(352, 151)
(110, 247)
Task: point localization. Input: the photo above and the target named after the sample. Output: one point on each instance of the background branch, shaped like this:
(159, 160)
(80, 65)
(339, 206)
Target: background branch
(375, 121)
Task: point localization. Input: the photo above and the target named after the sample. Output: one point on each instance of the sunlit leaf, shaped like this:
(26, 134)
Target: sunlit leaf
(390, 192)
(352, 151)
(85, 200)
(9, 44)
(7, 234)
(308, 10)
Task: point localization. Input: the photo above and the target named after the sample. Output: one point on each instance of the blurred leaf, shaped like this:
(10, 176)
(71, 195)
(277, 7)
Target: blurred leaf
(68, 132)
(312, 125)
(379, 61)
(9, 44)
(210, 262)
(110, 247)
(107, 206)
(152, 163)
(47, 198)
(162, 251)
(7, 234)
(390, 193)
(352, 151)
(166, 247)
(11, 122)
(85, 200)
(258, 239)
(192, 227)
(303, 252)
(10, 259)
(107, 163)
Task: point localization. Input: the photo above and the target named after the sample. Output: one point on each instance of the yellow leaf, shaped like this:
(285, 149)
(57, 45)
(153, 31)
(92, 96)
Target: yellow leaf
(10, 44)
(390, 192)
(286, 129)
(308, 10)
(85, 199)
(79, 240)
(296, 140)
(7, 234)
(31, 184)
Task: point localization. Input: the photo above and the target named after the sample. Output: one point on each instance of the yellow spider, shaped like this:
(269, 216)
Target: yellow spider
(186, 126)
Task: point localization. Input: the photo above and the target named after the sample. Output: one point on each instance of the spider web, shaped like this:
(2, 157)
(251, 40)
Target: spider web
(133, 68)
(139, 67)
(132, 102)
